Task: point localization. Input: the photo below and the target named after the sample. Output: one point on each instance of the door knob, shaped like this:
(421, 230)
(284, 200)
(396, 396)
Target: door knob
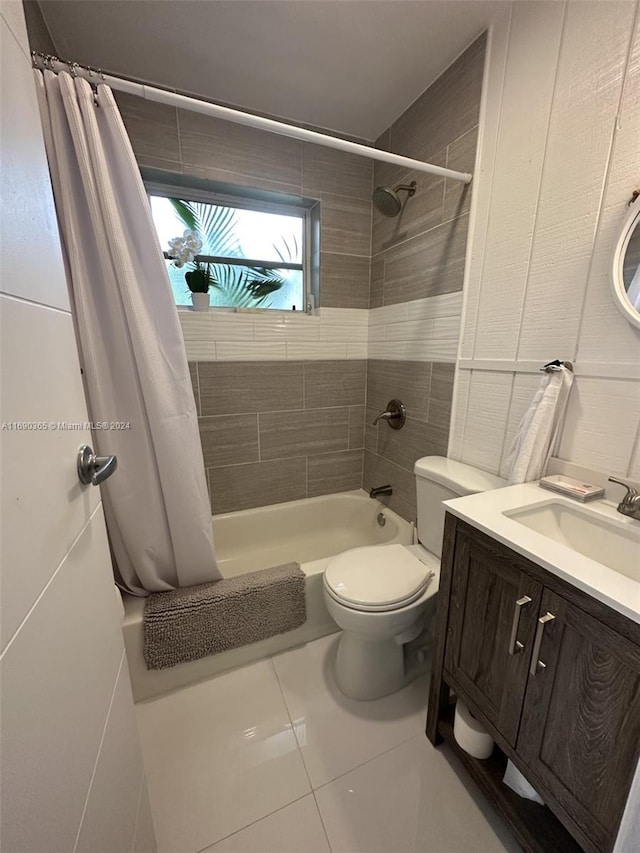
(94, 469)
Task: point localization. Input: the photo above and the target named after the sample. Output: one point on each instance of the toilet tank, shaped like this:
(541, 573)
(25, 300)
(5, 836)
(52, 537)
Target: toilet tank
(439, 479)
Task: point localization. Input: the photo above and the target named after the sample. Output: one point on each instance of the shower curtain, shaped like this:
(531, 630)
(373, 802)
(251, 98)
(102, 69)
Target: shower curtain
(131, 348)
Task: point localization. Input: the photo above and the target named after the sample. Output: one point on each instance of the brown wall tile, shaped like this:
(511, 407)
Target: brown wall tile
(229, 439)
(152, 128)
(376, 288)
(378, 472)
(461, 156)
(334, 472)
(344, 281)
(446, 110)
(415, 439)
(334, 383)
(207, 141)
(427, 265)
(441, 396)
(426, 391)
(408, 381)
(233, 387)
(346, 225)
(419, 213)
(285, 434)
(356, 427)
(193, 373)
(257, 484)
(228, 181)
(329, 171)
(370, 431)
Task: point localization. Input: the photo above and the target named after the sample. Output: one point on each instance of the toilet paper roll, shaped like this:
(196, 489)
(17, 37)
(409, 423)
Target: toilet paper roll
(470, 734)
(514, 779)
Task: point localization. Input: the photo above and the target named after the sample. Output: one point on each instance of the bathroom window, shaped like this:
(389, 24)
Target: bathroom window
(252, 253)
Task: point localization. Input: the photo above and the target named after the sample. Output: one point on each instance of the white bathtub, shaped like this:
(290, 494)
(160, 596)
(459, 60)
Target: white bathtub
(308, 532)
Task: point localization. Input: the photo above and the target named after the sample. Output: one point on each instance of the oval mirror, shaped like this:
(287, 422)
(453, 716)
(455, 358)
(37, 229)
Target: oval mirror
(626, 267)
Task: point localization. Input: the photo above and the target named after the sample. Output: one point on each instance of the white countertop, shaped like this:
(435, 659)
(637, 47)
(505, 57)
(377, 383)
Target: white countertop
(485, 511)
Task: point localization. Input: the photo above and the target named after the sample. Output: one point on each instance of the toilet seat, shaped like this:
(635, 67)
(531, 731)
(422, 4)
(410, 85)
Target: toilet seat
(376, 578)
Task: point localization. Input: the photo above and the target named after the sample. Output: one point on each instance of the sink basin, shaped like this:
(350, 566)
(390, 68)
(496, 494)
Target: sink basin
(613, 543)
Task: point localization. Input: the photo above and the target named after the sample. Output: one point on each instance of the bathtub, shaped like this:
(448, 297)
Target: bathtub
(308, 532)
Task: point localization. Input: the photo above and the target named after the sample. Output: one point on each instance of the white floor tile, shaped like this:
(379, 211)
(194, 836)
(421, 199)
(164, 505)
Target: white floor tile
(409, 799)
(294, 829)
(336, 733)
(218, 756)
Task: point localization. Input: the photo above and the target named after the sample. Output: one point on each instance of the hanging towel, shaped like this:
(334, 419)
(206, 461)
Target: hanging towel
(539, 429)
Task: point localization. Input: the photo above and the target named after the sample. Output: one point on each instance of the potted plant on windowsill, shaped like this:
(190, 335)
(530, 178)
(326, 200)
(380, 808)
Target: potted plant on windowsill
(185, 250)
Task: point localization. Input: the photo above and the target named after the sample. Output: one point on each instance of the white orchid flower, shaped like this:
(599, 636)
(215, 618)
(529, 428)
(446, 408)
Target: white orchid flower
(184, 249)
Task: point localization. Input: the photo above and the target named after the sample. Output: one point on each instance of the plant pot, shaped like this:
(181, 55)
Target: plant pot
(200, 301)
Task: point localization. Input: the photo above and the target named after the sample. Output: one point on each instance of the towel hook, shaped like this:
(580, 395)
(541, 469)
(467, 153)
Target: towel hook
(556, 364)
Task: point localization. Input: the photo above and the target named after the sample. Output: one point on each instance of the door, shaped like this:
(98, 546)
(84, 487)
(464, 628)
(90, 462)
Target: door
(492, 621)
(580, 730)
(70, 765)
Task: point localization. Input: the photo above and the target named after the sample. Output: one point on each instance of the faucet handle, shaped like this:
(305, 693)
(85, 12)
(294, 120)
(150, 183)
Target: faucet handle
(631, 491)
(395, 415)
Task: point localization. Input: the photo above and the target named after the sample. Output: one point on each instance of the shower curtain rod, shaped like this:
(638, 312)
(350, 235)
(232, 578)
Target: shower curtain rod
(164, 96)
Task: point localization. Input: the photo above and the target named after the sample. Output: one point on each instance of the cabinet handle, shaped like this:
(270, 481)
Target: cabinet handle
(515, 646)
(536, 664)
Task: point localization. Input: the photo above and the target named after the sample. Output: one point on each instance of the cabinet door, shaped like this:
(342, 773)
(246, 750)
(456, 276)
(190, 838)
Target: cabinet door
(580, 730)
(492, 621)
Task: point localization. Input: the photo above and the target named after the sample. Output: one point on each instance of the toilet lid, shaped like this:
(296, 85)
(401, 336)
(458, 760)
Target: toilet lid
(376, 576)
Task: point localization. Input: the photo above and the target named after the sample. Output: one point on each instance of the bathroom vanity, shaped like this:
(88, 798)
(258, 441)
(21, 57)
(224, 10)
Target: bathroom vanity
(542, 642)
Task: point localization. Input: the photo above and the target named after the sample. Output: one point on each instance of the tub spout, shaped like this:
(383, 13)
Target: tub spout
(377, 491)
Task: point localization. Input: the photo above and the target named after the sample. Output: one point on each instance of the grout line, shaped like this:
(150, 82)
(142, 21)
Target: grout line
(543, 173)
(252, 823)
(143, 779)
(51, 579)
(99, 752)
(179, 136)
(503, 448)
(21, 299)
(293, 728)
(198, 387)
(259, 443)
(419, 734)
(324, 827)
(416, 236)
(478, 216)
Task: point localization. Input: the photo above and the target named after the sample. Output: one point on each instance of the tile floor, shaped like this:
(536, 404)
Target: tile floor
(272, 758)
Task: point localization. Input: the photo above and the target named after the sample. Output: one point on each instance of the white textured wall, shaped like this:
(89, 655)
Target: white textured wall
(71, 770)
(559, 157)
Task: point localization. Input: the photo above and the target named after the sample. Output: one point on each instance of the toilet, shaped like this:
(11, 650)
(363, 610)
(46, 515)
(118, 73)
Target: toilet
(382, 595)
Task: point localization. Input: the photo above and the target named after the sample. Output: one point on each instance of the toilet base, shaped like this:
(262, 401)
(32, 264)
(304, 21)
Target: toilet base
(368, 669)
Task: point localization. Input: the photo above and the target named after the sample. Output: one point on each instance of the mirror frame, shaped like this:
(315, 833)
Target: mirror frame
(619, 293)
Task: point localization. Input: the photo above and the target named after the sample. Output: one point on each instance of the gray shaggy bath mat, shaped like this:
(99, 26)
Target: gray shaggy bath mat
(190, 623)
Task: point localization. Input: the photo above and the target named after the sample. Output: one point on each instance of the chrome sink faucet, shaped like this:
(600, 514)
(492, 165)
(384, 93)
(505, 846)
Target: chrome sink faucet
(630, 503)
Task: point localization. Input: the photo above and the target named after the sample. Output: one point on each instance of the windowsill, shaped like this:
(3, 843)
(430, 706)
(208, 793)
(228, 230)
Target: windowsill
(262, 312)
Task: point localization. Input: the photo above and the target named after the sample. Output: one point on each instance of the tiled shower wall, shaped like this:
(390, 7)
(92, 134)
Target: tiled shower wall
(282, 397)
(280, 430)
(417, 271)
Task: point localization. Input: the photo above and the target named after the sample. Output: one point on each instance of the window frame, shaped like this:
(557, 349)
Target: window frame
(246, 201)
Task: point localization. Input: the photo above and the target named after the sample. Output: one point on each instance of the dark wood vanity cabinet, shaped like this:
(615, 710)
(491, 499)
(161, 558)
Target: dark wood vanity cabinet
(553, 674)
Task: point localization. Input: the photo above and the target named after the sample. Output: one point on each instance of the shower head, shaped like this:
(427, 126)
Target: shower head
(388, 201)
